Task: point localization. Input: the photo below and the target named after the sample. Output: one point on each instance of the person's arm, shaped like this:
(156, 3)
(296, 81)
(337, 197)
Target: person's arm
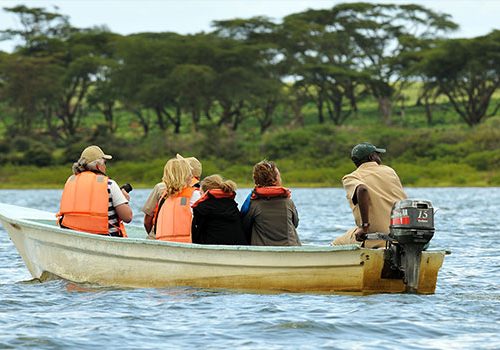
(246, 205)
(148, 223)
(362, 198)
(120, 200)
(295, 215)
(247, 222)
(124, 212)
(197, 228)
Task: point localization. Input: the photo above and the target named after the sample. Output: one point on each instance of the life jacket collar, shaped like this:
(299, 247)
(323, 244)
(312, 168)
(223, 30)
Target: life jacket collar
(270, 192)
(215, 193)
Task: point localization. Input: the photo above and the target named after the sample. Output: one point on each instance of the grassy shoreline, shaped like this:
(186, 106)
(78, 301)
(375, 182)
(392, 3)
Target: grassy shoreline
(31, 177)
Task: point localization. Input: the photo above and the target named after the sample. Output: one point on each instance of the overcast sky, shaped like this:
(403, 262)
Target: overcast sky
(475, 17)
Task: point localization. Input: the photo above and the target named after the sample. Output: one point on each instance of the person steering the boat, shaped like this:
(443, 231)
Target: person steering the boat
(91, 201)
(371, 190)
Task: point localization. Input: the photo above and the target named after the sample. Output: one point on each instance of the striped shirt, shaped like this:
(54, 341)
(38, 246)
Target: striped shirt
(115, 198)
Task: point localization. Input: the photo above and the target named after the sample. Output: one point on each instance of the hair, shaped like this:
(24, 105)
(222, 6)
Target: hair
(176, 175)
(369, 158)
(82, 165)
(265, 173)
(195, 165)
(358, 162)
(216, 181)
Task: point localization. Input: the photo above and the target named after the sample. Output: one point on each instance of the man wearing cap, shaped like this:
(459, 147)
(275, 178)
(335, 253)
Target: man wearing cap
(91, 201)
(151, 204)
(371, 190)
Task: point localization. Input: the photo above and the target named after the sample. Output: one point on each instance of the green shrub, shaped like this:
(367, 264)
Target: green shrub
(22, 143)
(485, 160)
(286, 143)
(4, 147)
(39, 155)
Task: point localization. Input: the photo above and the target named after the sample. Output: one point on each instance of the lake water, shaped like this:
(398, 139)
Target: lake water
(464, 313)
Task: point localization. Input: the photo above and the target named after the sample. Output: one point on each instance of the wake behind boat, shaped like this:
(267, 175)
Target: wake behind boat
(50, 251)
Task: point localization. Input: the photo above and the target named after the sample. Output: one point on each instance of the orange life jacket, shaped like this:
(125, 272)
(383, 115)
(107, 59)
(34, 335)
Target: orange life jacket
(270, 192)
(215, 193)
(174, 217)
(84, 204)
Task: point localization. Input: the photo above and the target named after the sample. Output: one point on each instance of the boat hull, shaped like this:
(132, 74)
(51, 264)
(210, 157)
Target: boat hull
(138, 262)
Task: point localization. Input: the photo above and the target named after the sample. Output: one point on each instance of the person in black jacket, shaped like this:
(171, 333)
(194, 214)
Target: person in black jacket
(216, 218)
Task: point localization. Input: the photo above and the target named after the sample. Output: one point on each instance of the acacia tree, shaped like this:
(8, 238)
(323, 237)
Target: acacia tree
(82, 58)
(104, 94)
(382, 32)
(250, 82)
(321, 63)
(38, 27)
(75, 54)
(467, 71)
(144, 77)
(193, 86)
(29, 88)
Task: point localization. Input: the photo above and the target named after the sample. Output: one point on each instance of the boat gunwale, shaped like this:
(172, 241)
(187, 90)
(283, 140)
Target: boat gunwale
(35, 224)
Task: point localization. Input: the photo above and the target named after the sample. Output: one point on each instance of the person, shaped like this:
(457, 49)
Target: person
(174, 213)
(151, 205)
(91, 201)
(216, 218)
(371, 190)
(271, 218)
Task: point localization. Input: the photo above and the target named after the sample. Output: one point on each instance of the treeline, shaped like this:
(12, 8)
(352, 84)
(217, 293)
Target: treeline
(242, 70)
(316, 155)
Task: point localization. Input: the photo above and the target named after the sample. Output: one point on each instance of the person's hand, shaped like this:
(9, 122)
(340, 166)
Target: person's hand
(125, 193)
(360, 234)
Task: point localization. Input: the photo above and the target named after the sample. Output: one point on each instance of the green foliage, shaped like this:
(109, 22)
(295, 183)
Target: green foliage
(39, 155)
(484, 160)
(226, 97)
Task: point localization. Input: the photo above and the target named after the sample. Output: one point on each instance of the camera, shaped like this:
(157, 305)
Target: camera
(127, 187)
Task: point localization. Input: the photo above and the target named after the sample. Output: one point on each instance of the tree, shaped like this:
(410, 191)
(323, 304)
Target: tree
(467, 71)
(39, 27)
(251, 84)
(193, 85)
(145, 75)
(321, 61)
(83, 58)
(381, 33)
(29, 87)
(75, 55)
(104, 94)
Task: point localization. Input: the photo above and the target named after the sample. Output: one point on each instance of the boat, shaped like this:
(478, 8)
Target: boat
(52, 252)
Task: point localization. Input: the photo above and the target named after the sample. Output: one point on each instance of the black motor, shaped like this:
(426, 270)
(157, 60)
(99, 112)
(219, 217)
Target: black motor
(412, 227)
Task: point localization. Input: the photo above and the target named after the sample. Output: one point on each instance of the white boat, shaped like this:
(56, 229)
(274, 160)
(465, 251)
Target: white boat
(52, 252)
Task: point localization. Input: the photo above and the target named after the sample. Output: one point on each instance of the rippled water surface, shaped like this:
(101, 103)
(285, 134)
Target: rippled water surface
(464, 313)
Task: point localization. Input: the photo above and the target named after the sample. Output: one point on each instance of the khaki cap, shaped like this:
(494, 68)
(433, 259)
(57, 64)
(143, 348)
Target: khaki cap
(93, 153)
(194, 163)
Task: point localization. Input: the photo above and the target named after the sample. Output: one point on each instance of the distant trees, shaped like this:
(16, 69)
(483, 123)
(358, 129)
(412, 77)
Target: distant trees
(245, 71)
(467, 72)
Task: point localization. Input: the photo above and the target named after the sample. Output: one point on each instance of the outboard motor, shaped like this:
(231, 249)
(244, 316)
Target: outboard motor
(412, 227)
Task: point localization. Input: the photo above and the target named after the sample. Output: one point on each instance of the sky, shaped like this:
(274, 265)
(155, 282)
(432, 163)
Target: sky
(475, 17)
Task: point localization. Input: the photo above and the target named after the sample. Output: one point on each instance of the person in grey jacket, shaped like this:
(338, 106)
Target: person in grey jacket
(271, 218)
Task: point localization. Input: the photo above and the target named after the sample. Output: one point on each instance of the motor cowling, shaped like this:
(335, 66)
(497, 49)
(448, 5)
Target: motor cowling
(411, 228)
(412, 221)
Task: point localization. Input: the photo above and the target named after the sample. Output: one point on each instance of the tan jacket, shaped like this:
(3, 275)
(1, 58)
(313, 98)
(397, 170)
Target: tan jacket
(384, 188)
